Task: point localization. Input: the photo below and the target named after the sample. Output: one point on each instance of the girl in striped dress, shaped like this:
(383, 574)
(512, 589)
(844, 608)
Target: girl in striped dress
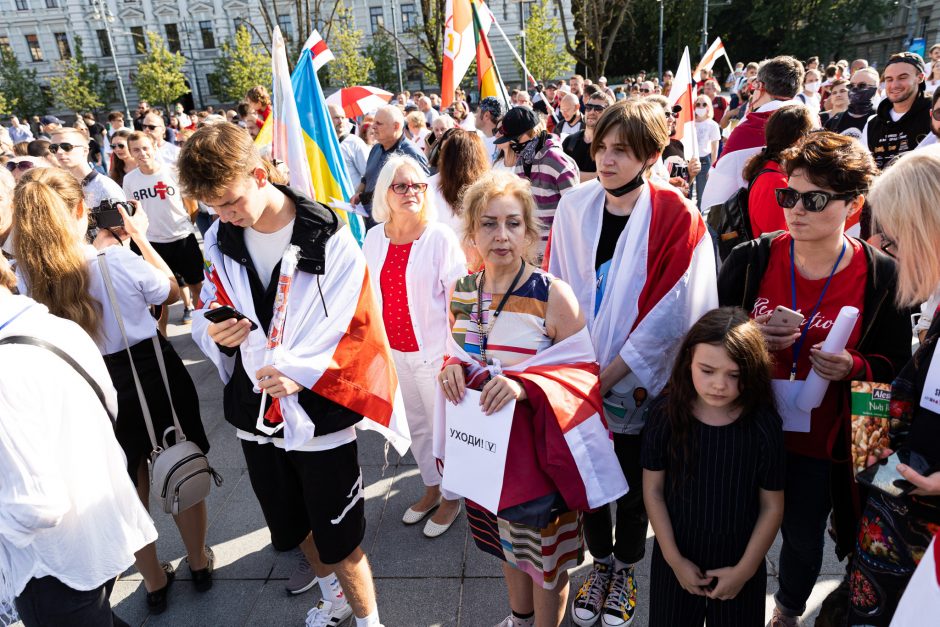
(524, 311)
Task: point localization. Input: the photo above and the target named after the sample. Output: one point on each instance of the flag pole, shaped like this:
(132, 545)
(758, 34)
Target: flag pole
(528, 74)
(480, 37)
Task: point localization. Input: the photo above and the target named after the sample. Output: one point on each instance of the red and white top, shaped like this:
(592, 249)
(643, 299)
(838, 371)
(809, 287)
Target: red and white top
(395, 311)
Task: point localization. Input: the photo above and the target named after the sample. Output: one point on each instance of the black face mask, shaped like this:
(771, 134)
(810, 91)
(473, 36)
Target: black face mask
(518, 147)
(860, 99)
(629, 186)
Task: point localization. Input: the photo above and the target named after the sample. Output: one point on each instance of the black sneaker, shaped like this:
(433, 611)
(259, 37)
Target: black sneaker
(156, 600)
(589, 601)
(202, 578)
(187, 316)
(620, 606)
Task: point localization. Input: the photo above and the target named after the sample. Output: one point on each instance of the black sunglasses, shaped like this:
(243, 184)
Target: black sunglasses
(645, 91)
(121, 146)
(54, 148)
(887, 244)
(19, 165)
(814, 201)
(150, 127)
(935, 114)
(594, 107)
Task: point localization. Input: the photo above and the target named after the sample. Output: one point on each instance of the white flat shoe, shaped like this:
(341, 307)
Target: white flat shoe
(413, 517)
(433, 530)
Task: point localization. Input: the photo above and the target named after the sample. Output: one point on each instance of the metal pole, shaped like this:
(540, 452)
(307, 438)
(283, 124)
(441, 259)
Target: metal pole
(192, 59)
(104, 12)
(911, 23)
(401, 84)
(522, 31)
(661, 4)
(704, 31)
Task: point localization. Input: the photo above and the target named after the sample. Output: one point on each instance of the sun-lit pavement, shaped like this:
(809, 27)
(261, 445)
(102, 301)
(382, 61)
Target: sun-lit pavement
(446, 581)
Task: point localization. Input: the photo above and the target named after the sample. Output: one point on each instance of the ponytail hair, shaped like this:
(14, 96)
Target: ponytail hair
(46, 247)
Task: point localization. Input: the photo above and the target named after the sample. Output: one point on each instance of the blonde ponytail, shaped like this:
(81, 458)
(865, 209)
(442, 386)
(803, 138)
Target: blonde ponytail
(46, 250)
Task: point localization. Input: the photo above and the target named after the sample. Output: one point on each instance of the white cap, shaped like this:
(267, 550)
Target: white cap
(602, 79)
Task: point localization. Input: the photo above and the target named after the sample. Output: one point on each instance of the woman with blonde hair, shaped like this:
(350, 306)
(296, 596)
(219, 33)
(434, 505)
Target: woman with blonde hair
(895, 529)
(61, 271)
(413, 262)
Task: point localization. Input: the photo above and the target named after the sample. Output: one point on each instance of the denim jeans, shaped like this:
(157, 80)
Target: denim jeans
(806, 508)
(700, 179)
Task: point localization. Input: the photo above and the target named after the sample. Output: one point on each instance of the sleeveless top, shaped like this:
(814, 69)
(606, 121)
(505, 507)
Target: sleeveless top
(519, 331)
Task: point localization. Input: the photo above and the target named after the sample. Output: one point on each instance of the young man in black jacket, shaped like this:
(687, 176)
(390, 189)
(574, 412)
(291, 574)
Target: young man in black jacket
(903, 118)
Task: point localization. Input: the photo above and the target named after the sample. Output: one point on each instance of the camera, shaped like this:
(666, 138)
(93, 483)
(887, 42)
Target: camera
(679, 170)
(107, 216)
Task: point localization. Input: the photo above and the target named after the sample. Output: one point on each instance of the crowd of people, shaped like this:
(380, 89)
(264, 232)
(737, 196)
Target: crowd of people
(552, 254)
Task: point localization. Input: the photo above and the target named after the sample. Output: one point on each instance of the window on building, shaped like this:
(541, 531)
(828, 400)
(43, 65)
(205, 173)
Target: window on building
(22, 5)
(409, 18)
(103, 43)
(62, 43)
(140, 40)
(377, 18)
(52, 4)
(172, 37)
(414, 71)
(208, 37)
(287, 26)
(110, 90)
(5, 44)
(32, 41)
(924, 23)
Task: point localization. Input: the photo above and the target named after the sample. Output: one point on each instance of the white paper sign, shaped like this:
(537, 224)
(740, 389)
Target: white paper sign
(475, 450)
(930, 397)
(794, 418)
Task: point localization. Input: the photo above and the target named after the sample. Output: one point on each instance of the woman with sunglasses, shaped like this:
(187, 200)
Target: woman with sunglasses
(121, 160)
(18, 166)
(414, 261)
(816, 269)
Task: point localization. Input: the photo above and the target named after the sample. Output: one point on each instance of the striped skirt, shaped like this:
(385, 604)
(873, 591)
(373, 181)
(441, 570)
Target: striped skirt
(543, 554)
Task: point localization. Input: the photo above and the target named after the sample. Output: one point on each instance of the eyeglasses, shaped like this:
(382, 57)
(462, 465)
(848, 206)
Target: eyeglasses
(121, 146)
(403, 188)
(935, 114)
(54, 148)
(645, 91)
(594, 107)
(19, 165)
(887, 244)
(151, 127)
(814, 201)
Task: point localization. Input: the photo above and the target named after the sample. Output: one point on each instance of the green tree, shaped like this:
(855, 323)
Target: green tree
(382, 52)
(597, 24)
(351, 67)
(20, 86)
(543, 55)
(5, 108)
(79, 86)
(160, 76)
(241, 65)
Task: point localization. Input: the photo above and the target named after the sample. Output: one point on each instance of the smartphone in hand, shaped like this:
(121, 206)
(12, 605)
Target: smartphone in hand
(223, 313)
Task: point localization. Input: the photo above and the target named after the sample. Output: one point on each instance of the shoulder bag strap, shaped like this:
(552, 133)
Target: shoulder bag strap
(145, 409)
(52, 348)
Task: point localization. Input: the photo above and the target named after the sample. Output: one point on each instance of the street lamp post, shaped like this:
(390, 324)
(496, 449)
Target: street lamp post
(192, 59)
(401, 84)
(704, 30)
(104, 14)
(661, 4)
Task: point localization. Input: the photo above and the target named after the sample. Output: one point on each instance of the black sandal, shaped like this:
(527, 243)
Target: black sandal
(202, 578)
(156, 600)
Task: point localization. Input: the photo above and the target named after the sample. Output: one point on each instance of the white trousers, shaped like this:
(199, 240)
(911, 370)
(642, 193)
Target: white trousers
(418, 381)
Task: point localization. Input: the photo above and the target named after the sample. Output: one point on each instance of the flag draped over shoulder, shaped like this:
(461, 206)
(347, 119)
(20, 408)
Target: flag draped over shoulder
(302, 130)
(459, 45)
(714, 52)
(489, 81)
(683, 94)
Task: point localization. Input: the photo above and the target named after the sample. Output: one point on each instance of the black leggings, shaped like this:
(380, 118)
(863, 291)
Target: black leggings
(47, 602)
(632, 522)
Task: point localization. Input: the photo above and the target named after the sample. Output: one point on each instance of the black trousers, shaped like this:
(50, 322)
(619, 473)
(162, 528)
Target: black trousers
(47, 602)
(632, 522)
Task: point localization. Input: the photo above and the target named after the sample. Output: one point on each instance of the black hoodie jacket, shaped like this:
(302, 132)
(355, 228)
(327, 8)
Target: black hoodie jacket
(887, 139)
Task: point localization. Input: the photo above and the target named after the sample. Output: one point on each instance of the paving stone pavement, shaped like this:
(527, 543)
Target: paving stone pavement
(420, 582)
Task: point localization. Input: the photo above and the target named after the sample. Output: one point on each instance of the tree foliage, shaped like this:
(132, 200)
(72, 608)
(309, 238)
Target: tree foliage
(5, 108)
(544, 58)
(351, 67)
(78, 86)
(20, 87)
(597, 24)
(240, 66)
(382, 52)
(160, 76)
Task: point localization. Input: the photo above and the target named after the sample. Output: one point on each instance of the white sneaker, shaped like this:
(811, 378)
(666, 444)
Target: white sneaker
(325, 615)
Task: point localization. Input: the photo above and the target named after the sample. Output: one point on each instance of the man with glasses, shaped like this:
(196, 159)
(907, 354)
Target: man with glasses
(646, 89)
(578, 145)
(155, 128)
(571, 120)
(934, 136)
(861, 89)
(71, 149)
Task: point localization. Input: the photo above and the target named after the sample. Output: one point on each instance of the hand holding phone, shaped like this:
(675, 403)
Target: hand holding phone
(883, 475)
(228, 327)
(780, 328)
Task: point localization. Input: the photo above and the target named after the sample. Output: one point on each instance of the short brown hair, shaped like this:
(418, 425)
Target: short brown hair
(137, 136)
(258, 94)
(495, 184)
(832, 161)
(640, 124)
(115, 115)
(215, 157)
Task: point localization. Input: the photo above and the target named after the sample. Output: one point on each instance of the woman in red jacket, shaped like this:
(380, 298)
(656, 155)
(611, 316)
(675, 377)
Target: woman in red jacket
(763, 171)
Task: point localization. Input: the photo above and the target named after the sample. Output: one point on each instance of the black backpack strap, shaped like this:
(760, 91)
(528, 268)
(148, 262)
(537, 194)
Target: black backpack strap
(757, 176)
(52, 348)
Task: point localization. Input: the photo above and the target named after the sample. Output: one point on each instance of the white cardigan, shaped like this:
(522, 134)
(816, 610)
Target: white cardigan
(434, 265)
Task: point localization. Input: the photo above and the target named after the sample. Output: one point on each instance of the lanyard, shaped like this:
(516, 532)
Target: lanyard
(17, 315)
(481, 330)
(798, 345)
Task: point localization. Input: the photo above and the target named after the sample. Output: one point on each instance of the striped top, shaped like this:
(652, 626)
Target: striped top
(519, 332)
(553, 173)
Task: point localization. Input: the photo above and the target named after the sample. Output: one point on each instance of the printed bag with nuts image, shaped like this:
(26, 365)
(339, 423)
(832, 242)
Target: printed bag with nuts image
(871, 423)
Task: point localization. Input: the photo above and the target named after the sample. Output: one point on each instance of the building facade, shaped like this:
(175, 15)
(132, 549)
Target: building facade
(41, 33)
(911, 19)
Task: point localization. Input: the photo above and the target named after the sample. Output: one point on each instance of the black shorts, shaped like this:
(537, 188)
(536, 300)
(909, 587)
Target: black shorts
(302, 492)
(184, 258)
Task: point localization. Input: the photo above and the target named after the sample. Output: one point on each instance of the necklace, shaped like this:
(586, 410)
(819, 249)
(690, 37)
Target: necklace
(484, 331)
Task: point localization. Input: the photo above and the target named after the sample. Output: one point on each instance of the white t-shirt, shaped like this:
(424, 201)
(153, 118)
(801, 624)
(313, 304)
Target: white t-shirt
(355, 154)
(160, 199)
(137, 285)
(567, 129)
(99, 188)
(931, 86)
(168, 154)
(706, 131)
(266, 249)
(489, 144)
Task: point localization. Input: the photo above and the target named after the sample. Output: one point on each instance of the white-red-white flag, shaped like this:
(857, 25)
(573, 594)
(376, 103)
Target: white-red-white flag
(683, 94)
(319, 51)
(714, 52)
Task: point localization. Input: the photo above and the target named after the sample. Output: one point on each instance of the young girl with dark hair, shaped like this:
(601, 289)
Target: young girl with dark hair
(713, 476)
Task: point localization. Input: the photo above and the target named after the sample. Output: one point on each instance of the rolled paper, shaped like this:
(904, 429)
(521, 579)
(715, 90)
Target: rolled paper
(814, 388)
(276, 331)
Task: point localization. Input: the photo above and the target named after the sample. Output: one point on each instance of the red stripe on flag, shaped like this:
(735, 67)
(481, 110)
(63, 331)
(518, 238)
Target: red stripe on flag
(362, 375)
(319, 48)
